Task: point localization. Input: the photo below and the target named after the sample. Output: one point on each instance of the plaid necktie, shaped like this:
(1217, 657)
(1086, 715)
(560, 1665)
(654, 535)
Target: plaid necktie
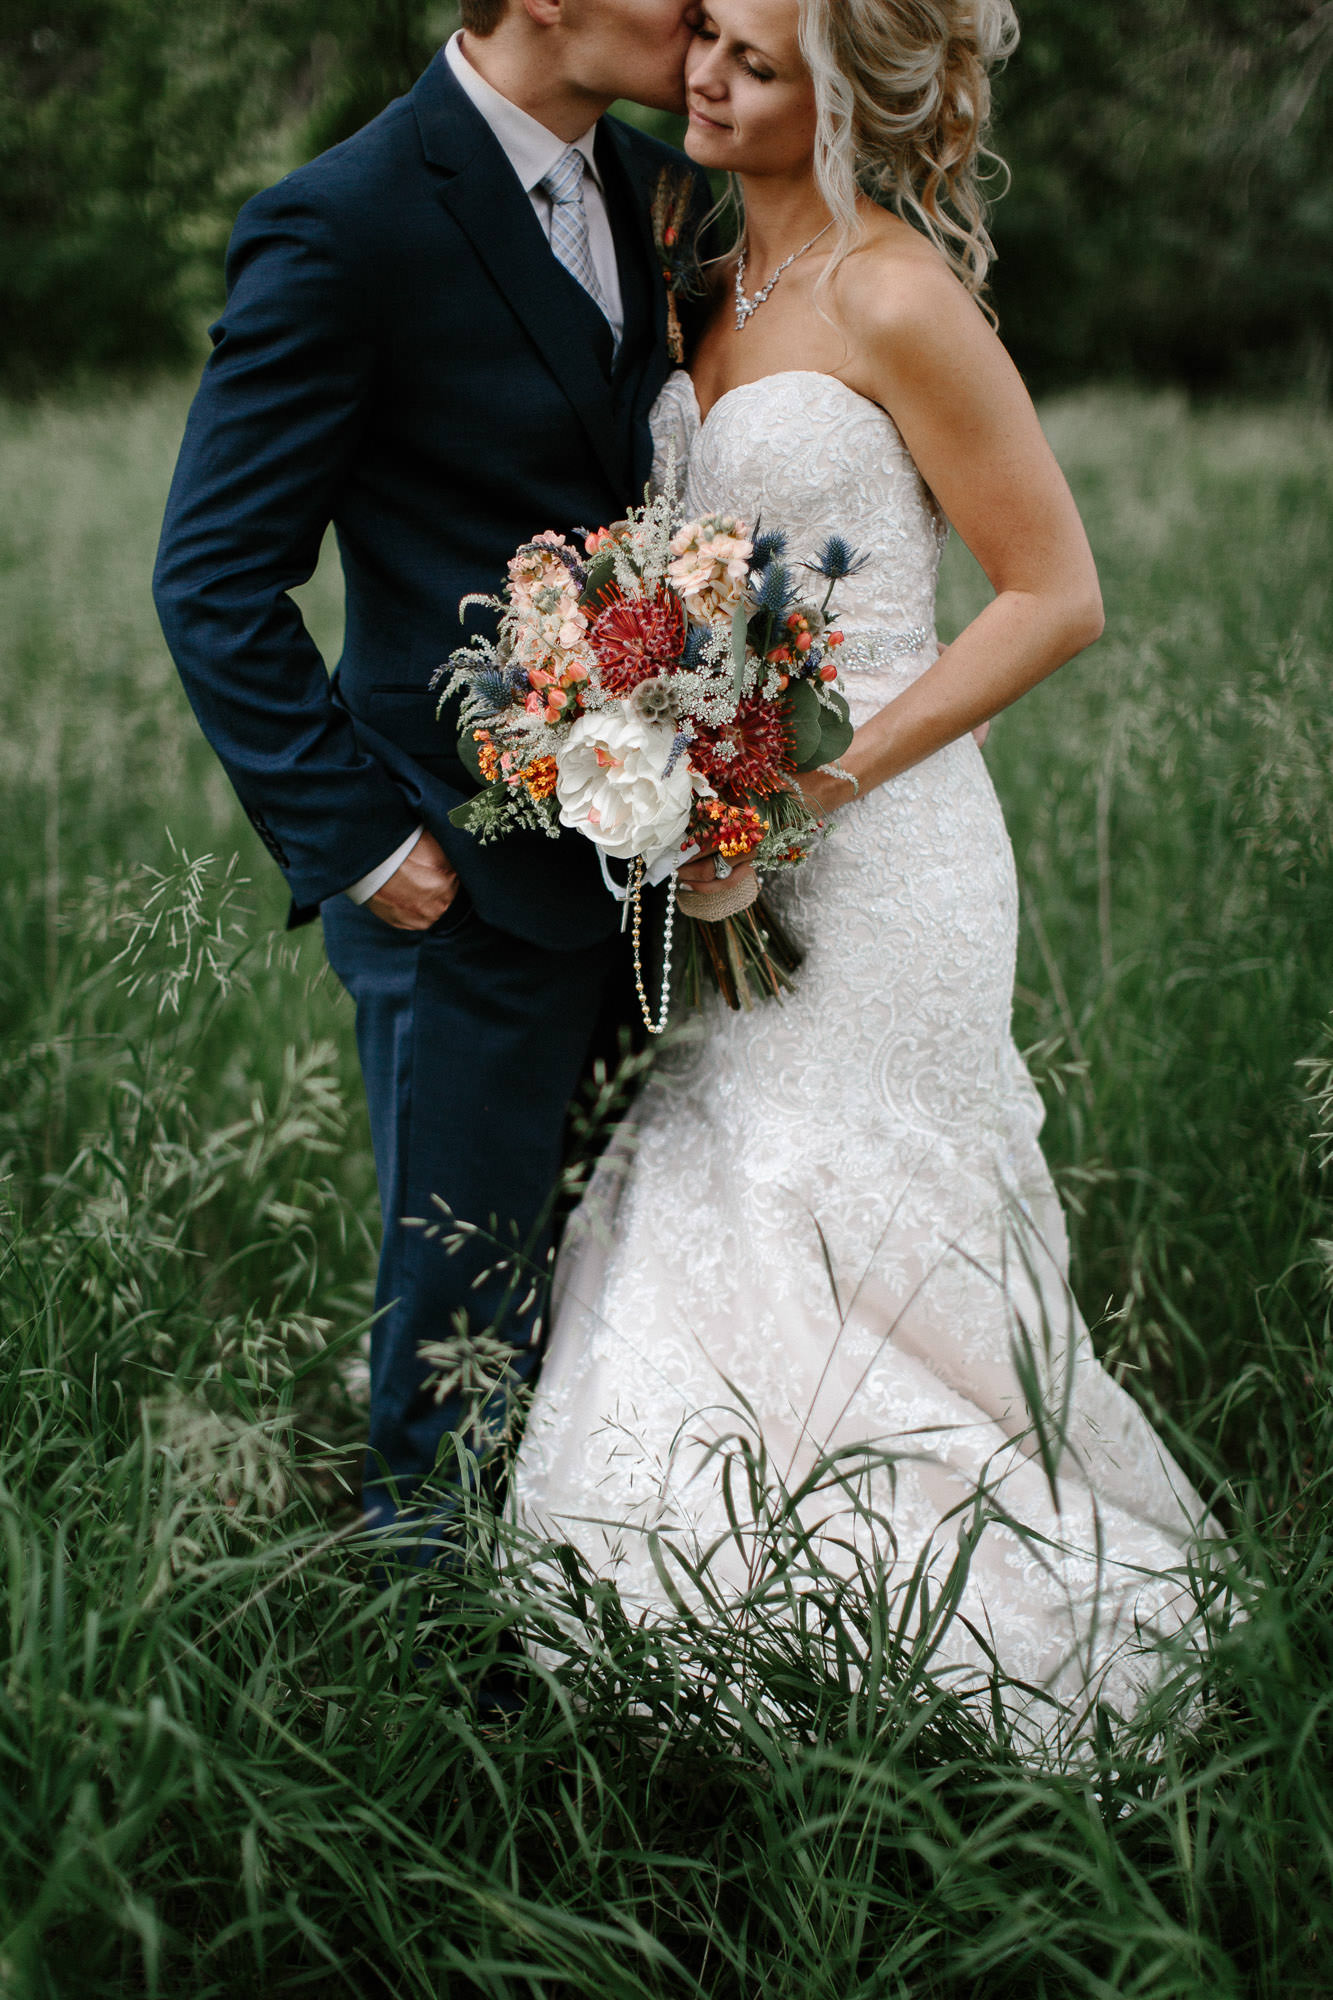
(569, 225)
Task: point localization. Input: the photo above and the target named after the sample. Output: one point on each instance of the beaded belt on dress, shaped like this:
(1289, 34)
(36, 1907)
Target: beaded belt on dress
(870, 652)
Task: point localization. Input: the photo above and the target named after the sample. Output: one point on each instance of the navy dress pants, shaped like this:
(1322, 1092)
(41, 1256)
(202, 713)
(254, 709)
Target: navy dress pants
(472, 1045)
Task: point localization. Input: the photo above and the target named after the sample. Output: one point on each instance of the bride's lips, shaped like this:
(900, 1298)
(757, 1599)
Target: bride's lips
(698, 117)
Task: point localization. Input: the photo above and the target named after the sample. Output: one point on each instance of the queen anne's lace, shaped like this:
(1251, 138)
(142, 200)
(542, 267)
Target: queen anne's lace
(885, 1107)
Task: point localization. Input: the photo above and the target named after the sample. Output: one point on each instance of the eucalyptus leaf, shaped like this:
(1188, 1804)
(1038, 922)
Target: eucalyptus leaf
(474, 812)
(601, 573)
(468, 753)
(836, 730)
(804, 714)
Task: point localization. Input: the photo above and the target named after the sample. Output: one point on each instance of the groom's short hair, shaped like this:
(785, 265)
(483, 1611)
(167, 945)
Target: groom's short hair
(482, 17)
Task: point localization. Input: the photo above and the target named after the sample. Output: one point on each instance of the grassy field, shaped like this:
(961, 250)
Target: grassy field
(228, 1764)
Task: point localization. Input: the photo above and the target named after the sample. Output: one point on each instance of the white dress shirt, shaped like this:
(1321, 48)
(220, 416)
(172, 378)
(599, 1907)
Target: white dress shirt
(532, 151)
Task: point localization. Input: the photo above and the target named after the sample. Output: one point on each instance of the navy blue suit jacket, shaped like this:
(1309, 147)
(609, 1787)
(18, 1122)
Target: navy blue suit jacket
(399, 354)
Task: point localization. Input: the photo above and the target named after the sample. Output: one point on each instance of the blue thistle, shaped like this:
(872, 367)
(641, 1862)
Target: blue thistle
(518, 680)
(492, 689)
(696, 638)
(837, 559)
(464, 660)
(768, 546)
(773, 589)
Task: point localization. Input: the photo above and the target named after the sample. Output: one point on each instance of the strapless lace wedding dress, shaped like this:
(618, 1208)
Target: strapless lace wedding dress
(829, 1223)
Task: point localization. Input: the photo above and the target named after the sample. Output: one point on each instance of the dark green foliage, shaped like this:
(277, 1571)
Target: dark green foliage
(128, 127)
(382, 48)
(1171, 212)
(130, 133)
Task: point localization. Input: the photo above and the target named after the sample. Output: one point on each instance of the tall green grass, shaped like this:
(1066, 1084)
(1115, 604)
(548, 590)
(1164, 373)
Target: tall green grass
(232, 1762)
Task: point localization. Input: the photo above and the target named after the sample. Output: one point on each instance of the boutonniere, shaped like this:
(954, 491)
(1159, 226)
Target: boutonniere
(675, 255)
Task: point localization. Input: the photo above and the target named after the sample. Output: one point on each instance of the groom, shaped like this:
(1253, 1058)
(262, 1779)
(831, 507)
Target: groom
(443, 336)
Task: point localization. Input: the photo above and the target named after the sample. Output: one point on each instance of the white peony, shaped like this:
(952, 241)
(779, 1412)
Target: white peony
(610, 784)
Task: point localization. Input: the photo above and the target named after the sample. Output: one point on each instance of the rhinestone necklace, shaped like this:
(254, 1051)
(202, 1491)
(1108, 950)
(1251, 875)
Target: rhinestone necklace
(745, 306)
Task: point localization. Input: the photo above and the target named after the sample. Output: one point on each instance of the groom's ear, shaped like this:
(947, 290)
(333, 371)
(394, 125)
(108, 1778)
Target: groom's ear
(545, 13)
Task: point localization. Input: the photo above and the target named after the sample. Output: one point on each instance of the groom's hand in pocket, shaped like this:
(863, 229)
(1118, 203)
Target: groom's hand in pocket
(420, 889)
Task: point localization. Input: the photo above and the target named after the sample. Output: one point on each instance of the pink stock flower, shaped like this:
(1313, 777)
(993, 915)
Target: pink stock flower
(545, 616)
(710, 567)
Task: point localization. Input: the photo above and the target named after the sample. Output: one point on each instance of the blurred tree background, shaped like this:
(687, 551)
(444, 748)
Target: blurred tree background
(1171, 214)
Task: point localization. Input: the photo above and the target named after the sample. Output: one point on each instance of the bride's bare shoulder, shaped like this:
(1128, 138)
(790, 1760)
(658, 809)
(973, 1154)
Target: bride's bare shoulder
(897, 288)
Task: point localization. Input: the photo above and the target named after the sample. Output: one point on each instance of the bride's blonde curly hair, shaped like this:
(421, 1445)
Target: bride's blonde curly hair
(902, 94)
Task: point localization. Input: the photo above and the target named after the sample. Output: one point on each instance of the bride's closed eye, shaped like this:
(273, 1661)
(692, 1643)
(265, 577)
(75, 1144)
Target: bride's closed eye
(706, 32)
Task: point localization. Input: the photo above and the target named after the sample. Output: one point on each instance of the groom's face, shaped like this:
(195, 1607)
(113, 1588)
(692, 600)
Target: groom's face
(630, 48)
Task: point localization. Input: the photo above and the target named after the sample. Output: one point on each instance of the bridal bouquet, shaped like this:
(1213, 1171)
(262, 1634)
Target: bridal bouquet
(659, 688)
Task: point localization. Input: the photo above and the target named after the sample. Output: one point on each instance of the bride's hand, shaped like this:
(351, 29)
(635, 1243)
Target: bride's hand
(701, 876)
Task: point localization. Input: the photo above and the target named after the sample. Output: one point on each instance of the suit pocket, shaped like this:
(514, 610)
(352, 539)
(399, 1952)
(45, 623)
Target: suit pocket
(404, 712)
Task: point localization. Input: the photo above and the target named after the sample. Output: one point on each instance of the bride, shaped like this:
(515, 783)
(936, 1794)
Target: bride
(834, 1233)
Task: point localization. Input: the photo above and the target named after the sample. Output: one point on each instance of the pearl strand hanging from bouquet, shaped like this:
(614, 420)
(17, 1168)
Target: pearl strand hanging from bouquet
(638, 869)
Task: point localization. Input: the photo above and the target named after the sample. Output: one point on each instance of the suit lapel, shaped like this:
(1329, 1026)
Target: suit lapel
(483, 195)
(629, 202)
(636, 180)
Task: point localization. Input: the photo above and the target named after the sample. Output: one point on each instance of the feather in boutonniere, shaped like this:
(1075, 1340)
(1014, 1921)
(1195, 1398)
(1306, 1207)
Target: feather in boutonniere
(670, 212)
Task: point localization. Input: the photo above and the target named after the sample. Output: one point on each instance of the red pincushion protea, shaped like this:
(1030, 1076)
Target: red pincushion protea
(637, 637)
(763, 755)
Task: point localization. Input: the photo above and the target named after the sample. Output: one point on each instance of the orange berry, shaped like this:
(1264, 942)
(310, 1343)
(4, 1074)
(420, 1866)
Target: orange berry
(803, 642)
(828, 672)
(833, 638)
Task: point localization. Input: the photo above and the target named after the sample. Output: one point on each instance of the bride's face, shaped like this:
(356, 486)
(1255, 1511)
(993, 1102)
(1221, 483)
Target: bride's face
(749, 94)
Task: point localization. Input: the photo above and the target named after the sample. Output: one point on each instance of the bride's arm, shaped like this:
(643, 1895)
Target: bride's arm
(925, 352)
